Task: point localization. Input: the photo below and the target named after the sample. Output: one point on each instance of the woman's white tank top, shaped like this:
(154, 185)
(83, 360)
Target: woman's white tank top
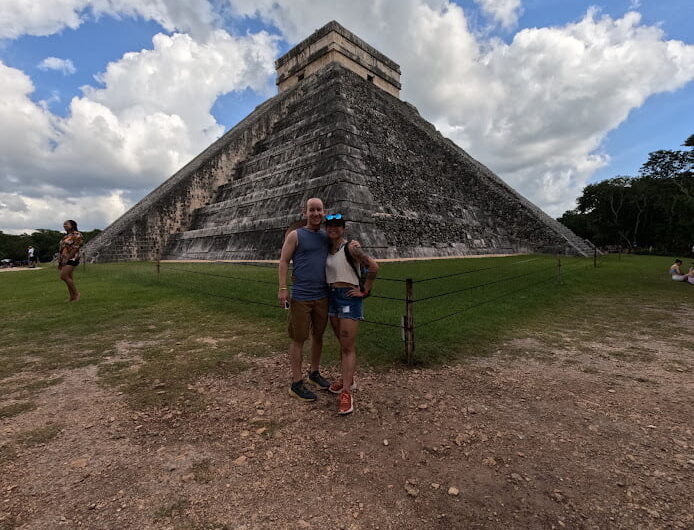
(338, 269)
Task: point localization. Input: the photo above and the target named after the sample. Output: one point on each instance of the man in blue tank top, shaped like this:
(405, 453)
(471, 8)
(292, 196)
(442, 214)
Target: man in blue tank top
(307, 247)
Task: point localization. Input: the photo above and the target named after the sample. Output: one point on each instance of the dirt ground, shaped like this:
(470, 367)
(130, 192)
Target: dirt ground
(574, 428)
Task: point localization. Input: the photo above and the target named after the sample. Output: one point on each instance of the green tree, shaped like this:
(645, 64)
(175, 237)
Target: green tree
(655, 209)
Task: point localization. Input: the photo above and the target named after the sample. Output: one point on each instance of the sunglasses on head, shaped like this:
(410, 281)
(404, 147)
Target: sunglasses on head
(334, 217)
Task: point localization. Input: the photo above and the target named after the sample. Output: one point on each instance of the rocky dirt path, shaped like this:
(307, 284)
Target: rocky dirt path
(550, 432)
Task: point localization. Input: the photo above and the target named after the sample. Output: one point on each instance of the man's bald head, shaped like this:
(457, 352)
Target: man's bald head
(314, 213)
(313, 202)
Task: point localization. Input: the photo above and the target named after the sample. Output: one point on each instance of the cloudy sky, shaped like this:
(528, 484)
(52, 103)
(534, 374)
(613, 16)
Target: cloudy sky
(102, 100)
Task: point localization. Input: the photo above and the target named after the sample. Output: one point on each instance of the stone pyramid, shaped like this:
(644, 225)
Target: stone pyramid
(337, 130)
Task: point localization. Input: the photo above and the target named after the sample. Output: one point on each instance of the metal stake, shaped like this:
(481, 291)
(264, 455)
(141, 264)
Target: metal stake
(409, 322)
(559, 282)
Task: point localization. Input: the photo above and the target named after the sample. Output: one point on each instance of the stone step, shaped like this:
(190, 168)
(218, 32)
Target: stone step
(258, 197)
(312, 145)
(339, 150)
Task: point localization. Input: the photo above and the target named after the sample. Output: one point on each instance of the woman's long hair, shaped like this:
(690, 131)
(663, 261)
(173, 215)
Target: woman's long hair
(73, 224)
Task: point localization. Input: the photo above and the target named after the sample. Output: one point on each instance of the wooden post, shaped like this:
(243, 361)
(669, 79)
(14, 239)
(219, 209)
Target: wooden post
(558, 270)
(409, 322)
(595, 257)
(158, 269)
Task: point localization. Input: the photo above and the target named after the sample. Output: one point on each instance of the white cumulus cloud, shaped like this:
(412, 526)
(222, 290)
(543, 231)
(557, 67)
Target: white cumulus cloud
(505, 12)
(150, 115)
(26, 214)
(45, 17)
(65, 66)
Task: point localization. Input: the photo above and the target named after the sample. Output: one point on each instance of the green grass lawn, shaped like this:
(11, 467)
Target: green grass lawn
(147, 332)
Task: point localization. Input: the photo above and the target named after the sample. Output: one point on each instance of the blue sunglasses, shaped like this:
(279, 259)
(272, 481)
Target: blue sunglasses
(333, 217)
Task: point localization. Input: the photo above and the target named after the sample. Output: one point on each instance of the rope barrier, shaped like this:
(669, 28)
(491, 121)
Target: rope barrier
(380, 278)
(245, 300)
(218, 275)
(474, 270)
(504, 295)
(387, 324)
(482, 303)
(483, 284)
(388, 298)
(178, 269)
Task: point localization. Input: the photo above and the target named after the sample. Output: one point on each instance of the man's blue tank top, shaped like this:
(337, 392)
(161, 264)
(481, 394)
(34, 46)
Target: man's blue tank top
(308, 274)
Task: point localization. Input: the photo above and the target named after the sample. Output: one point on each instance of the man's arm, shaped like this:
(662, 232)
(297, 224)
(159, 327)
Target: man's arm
(288, 249)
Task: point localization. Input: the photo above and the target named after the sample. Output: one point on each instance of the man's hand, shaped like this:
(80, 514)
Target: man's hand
(283, 296)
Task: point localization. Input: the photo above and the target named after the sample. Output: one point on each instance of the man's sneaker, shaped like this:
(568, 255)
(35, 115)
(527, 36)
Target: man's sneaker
(318, 380)
(336, 387)
(298, 390)
(346, 403)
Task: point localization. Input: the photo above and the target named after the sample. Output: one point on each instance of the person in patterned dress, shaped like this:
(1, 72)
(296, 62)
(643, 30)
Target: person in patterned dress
(69, 257)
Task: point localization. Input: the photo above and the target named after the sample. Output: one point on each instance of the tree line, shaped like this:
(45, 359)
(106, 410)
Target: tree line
(44, 241)
(654, 210)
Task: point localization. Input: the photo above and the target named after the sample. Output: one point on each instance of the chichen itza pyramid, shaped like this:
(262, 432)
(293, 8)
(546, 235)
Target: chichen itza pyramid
(336, 130)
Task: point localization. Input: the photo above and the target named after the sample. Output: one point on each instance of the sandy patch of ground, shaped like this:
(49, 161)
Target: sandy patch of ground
(568, 432)
(13, 269)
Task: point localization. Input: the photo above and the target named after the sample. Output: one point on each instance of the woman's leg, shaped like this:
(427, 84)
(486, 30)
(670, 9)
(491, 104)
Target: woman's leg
(348, 337)
(335, 324)
(66, 276)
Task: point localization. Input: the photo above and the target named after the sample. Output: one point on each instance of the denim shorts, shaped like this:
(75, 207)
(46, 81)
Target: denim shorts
(344, 306)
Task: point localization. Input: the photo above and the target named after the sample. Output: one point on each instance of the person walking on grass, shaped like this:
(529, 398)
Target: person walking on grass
(346, 304)
(68, 258)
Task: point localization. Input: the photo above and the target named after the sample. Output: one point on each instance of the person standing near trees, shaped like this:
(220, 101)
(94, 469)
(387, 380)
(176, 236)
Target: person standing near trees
(31, 257)
(68, 257)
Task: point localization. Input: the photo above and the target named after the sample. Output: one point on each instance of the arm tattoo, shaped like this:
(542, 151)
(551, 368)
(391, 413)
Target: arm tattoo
(358, 253)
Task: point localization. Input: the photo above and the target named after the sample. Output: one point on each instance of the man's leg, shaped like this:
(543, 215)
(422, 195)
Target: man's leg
(316, 351)
(296, 350)
(299, 324)
(319, 320)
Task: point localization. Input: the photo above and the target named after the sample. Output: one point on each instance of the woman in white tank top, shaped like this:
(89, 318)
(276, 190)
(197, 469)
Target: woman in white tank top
(346, 302)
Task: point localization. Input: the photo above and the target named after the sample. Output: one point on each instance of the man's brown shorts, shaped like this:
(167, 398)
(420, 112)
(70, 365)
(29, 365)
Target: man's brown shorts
(307, 317)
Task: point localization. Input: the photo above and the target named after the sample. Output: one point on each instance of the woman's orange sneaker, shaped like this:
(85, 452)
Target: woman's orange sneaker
(337, 385)
(346, 403)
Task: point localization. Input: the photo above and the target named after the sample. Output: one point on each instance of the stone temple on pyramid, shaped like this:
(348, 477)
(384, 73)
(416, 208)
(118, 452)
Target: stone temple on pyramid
(337, 130)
